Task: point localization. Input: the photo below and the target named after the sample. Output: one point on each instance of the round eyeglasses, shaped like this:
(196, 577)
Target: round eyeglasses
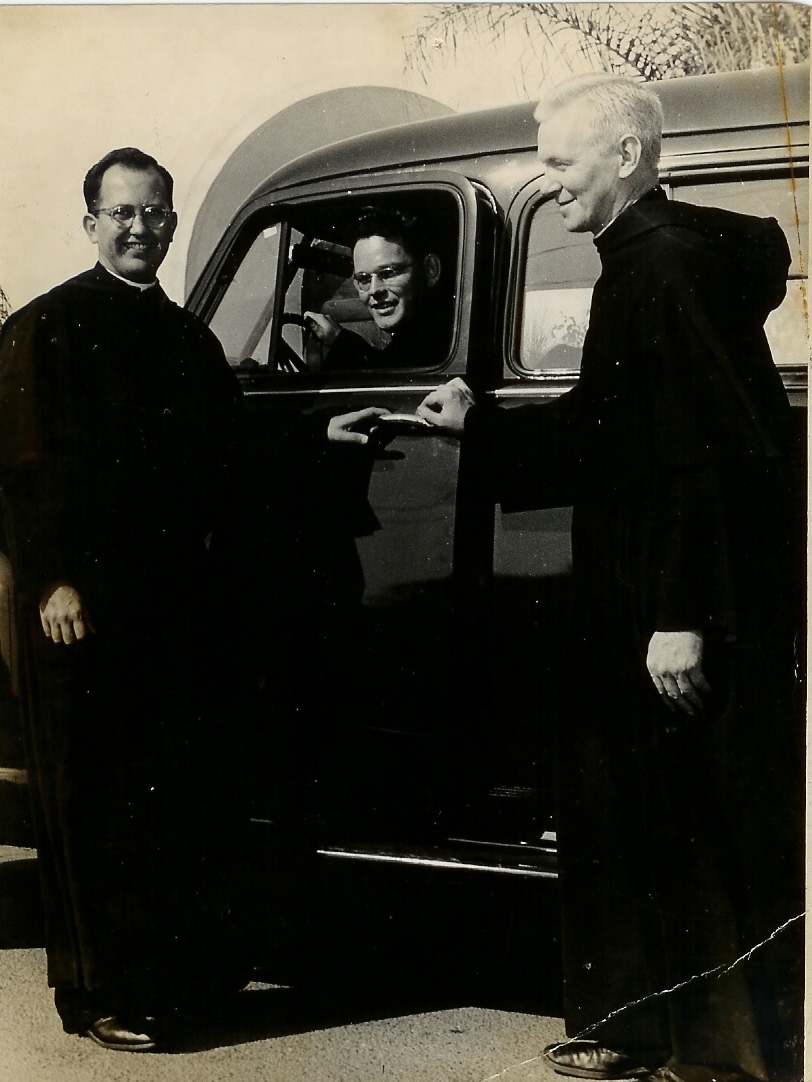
(390, 273)
(154, 216)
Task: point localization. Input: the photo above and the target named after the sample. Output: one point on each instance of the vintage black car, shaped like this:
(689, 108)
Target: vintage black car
(416, 639)
(406, 647)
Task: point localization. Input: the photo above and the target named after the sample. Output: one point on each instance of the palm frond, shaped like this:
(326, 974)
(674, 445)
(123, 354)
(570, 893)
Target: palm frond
(649, 41)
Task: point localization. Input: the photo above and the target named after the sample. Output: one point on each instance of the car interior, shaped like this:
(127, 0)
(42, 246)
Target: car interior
(302, 262)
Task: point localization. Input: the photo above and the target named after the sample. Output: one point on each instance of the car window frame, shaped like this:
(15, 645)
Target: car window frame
(276, 210)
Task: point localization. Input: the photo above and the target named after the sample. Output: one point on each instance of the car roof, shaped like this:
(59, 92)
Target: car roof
(701, 103)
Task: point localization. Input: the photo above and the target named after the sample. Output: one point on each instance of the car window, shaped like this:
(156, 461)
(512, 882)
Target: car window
(301, 262)
(560, 270)
(242, 320)
(787, 200)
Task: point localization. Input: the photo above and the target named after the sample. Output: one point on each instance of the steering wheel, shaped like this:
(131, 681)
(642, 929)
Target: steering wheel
(288, 361)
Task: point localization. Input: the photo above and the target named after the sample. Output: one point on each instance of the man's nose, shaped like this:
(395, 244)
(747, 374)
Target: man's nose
(548, 184)
(138, 225)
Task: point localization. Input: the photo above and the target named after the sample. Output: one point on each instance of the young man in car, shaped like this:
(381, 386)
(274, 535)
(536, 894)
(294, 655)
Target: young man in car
(396, 275)
(680, 772)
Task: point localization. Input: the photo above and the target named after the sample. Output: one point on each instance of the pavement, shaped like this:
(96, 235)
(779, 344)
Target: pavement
(266, 1033)
(258, 1036)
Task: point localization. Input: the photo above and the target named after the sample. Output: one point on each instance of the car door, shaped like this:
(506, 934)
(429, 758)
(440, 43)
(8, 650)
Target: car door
(355, 568)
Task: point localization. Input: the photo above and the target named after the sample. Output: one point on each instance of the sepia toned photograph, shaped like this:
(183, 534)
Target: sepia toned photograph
(403, 541)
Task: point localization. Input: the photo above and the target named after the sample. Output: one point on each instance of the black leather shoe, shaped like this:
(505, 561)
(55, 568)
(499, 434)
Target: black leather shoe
(134, 1035)
(589, 1059)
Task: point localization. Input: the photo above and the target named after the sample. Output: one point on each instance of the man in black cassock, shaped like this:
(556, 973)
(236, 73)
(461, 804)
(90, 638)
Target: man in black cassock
(681, 768)
(117, 411)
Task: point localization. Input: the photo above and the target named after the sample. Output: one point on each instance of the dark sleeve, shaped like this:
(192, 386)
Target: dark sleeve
(528, 456)
(224, 414)
(725, 549)
(34, 490)
(718, 496)
(342, 473)
(689, 561)
(348, 353)
(225, 396)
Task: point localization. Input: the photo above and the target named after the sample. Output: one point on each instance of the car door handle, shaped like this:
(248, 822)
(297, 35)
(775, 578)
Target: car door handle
(406, 423)
(391, 425)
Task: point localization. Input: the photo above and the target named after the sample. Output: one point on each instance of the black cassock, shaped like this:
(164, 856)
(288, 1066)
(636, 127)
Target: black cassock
(680, 838)
(117, 411)
(421, 343)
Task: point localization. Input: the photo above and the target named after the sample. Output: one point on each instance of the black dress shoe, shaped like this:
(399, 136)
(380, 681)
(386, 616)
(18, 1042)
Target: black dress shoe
(132, 1035)
(589, 1059)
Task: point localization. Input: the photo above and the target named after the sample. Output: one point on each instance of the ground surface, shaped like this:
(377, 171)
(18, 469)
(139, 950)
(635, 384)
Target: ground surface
(258, 1036)
(366, 1033)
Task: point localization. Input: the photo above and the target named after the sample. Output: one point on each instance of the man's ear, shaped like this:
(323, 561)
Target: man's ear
(172, 226)
(89, 222)
(431, 265)
(630, 154)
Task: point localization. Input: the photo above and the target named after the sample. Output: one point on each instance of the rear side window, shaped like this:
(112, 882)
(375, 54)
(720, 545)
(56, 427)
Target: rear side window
(294, 266)
(561, 269)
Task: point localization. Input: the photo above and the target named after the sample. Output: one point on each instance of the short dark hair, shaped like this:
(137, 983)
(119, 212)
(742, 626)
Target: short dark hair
(130, 158)
(394, 224)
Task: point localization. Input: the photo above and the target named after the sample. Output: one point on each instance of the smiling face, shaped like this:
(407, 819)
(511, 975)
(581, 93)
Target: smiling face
(586, 175)
(389, 281)
(136, 251)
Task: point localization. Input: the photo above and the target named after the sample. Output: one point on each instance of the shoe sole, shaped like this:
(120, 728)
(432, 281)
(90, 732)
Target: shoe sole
(114, 1046)
(601, 1076)
(596, 1073)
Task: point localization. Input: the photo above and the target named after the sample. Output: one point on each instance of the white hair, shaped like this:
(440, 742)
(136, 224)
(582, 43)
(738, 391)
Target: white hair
(614, 107)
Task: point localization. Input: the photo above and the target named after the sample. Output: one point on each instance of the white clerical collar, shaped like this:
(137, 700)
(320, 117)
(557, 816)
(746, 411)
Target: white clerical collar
(136, 285)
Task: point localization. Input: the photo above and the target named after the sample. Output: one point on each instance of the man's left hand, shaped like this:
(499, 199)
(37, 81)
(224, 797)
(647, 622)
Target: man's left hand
(674, 663)
(323, 327)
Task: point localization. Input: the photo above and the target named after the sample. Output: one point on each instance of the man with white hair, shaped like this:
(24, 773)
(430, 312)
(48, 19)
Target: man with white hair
(680, 770)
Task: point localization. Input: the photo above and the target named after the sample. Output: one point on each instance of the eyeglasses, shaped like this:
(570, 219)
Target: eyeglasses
(153, 216)
(363, 280)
